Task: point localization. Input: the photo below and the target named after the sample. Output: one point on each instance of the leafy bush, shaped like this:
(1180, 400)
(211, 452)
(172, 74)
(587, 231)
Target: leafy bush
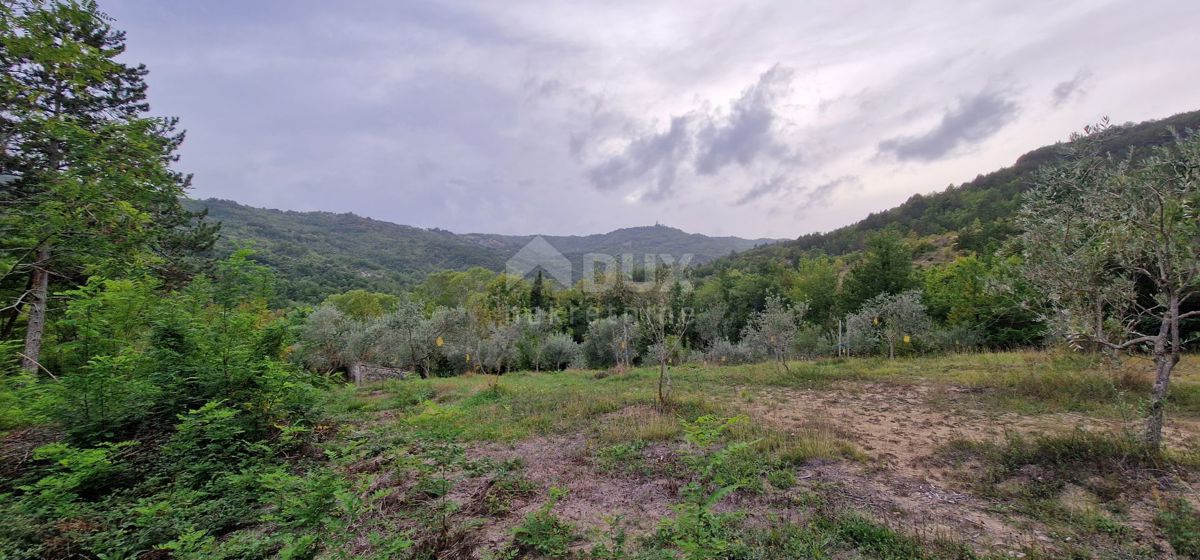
(561, 352)
(609, 341)
(71, 473)
(543, 533)
(698, 531)
(208, 440)
(722, 352)
(305, 502)
(782, 479)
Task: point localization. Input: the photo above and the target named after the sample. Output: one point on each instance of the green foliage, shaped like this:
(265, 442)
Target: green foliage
(544, 534)
(609, 341)
(105, 398)
(1181, 524)
(782, 479)
(207, 440)
(871, 538)
(725, 353)
(306, 502)
(698, 531)
(1074, 454)
(20, 394)
(891, 319)
(71, 473)
(708, 429)
(361, 305)
(979, 295)
(94, 192)
(885, 268)
(195, 375)
(772, 331)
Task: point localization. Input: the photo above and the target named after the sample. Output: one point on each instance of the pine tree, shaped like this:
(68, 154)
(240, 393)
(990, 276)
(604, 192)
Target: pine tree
(93, 191)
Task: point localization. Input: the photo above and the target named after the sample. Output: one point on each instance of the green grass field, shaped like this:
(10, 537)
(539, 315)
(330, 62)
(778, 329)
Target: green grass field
(985, 455)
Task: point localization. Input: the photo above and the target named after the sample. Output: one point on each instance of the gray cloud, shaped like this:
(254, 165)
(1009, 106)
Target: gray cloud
(533, 117)
(821, 195)
(770, 186)
(744, 135)
(748, 132)
(806, 198)
(974, 119)
(1075, 88)
(658, 153)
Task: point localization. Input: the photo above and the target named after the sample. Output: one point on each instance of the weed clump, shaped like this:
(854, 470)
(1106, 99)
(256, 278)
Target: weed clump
(1181, 525)
(544, 534)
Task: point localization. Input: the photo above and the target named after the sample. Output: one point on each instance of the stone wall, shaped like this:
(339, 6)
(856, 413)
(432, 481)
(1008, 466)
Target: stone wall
(365, 373)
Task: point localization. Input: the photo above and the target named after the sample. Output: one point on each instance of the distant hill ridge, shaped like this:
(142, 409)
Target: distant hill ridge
(319, 253)
(977, 213)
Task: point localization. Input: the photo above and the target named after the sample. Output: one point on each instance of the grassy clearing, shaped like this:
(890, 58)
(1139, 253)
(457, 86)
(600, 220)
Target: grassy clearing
(1034, 383)
(520, 405)
(403, 445)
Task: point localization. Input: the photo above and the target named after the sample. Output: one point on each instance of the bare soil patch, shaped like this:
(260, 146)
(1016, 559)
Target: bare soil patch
(592, 497)
(901, 427)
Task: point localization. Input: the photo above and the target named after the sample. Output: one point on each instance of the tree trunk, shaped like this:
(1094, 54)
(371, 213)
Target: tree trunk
(663, 389)
(39, 291)
(1166, 354)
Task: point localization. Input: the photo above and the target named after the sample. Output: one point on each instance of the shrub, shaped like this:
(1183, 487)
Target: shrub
(208, 441)
(722, 352)
(560, 352)
(782, 479)
(956, 338)
(71, 473)
(698, 531)
(543, 533)
(608, 341)
(304, 502)
(106, 399)
(813, 342)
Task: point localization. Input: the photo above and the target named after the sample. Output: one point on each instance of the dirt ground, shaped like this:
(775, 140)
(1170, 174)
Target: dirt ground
(902, 426)
(899, 427)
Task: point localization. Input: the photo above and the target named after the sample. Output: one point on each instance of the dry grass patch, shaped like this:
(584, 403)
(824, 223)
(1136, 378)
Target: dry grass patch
(812, 440)
(638, 423)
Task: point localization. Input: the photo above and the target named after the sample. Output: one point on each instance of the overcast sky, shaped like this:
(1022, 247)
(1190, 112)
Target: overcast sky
(763, 119)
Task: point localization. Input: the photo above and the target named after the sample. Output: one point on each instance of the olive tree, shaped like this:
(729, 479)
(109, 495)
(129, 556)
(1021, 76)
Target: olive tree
(890, 318)
(772, 331)
(609, 342)
(560, 352)
(665, 326)
(1113, 246)
(324, 339)
(535, 329)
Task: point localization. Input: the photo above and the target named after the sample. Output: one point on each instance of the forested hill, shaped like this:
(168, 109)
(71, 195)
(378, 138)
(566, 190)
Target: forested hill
(321, 253)
(637, 240)
(978, 213)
